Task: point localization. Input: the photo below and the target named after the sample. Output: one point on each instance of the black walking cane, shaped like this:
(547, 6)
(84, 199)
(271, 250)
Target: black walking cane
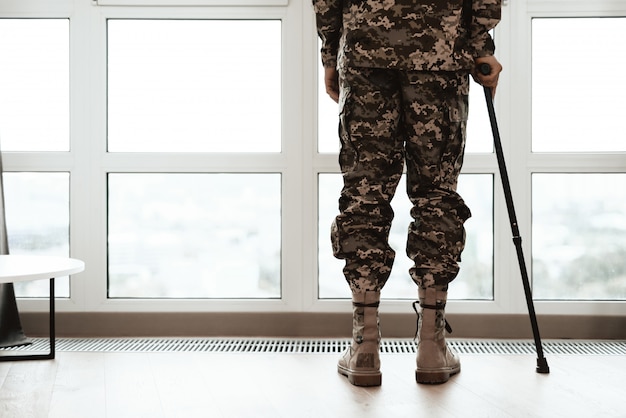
(542, 364)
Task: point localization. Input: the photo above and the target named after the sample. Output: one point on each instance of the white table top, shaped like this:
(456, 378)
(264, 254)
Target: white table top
(21, 268)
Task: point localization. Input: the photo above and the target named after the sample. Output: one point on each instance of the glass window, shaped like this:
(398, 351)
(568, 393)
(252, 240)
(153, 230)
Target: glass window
(475, 280)
(479, 136)
(38, 217)
(34, 85)
(194, 85)
(578, 85)
(327, 117)
(579, 236)
(194, 235)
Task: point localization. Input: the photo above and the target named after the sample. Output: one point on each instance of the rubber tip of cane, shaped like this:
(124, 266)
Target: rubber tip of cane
(484, 68)
(542, 366)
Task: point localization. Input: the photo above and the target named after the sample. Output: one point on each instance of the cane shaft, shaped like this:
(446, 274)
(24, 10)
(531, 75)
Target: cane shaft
(542, 365)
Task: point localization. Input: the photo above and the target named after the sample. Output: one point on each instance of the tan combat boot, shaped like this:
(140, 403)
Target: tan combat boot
(361, 361)
(435, 361)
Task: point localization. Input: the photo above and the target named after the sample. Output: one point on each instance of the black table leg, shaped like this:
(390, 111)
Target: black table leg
(52, 353)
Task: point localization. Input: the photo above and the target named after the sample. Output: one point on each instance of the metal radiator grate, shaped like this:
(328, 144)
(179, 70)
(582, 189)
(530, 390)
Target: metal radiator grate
(320, 346)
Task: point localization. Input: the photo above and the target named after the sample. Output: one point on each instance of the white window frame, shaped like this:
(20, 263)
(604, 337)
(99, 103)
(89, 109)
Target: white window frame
(299, 162)
(519, 126)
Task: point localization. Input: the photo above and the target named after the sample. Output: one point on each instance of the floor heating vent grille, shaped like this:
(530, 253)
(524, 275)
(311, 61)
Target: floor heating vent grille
(321, 346)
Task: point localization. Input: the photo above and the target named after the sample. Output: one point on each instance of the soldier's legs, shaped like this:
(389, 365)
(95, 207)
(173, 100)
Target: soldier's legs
(435, 121)
(435, 116)
(371, 161)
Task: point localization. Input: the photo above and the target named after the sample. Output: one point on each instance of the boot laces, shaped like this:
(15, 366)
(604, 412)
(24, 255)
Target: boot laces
(366, 305)
(425, 306)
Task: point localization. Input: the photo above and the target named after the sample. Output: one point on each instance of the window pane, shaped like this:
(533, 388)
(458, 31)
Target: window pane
(34, 84)
(194, 86)
(194, 235)
(578, 84)
(475, 280)
(38, 217)
(479, 137)
(579, 236)
(327, 117)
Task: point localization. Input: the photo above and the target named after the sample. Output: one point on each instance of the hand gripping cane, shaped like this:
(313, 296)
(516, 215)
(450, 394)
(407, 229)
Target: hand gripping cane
(542, 364)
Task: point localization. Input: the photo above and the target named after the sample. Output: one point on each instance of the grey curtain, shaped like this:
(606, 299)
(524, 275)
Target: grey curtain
(11, 333)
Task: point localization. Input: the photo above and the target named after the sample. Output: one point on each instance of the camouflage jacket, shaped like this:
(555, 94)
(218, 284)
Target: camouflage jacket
(432, 35)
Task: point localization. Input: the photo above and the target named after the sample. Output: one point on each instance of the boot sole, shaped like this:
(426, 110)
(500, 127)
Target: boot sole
(434, 377)
(361, 378)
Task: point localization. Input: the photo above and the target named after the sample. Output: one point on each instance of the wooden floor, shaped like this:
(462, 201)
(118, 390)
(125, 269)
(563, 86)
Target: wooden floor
(187, 384)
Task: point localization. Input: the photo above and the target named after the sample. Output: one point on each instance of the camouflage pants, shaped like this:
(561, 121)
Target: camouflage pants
(389, 118)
